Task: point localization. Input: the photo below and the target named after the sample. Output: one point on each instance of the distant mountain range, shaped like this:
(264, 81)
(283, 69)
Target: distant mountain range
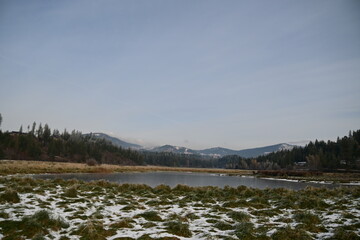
(221, 152)
(115, 141)
(210, 152)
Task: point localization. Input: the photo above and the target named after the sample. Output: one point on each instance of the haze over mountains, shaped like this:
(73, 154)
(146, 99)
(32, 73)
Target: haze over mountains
(215, 152)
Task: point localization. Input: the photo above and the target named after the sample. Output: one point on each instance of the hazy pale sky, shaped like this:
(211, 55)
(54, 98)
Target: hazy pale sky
(198, 74)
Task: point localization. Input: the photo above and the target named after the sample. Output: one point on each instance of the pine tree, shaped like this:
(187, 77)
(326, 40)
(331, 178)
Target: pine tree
(46, 133)
(40, 131)
(33, 128)
(56, 133)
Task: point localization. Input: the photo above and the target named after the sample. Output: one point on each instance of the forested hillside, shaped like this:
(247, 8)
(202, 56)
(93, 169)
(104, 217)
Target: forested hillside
(42, 143)
(318, 155)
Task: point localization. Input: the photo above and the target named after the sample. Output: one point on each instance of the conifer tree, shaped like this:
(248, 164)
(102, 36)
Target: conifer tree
(40, 131)
(46, 133)
(33, 128)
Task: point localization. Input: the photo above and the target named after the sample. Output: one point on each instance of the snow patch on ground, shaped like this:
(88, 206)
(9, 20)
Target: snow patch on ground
(77, 211)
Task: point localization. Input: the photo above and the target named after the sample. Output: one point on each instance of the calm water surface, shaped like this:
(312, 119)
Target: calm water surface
(172, 179)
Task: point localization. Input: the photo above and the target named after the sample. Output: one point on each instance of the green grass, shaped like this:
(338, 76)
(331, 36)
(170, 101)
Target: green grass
(266, 212)
(4, 215)
(307, 218)
(239, 216)
(178, 228)
(305, 210)
(10, 196)
(151, 216)
(192, 216)
(288, 233)
(71, 192)
(38, 237)
(342, 234)
(223, 226)
(93, 230)
(177, 217)
(30, 226)
(306, 202)
(245, 231)
(125, 223)
(309, 222)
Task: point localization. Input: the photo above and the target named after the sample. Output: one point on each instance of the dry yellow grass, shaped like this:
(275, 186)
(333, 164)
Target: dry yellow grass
(8, 167)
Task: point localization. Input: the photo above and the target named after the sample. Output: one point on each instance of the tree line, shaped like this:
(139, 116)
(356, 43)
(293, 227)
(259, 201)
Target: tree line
(344, 153)
(41, 143)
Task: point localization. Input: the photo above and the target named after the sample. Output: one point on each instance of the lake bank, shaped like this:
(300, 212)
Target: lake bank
(105, 210)
(192, 179)
(10, 167)
(21, 167)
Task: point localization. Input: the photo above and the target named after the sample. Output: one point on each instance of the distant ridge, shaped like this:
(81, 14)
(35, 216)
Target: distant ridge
(221, 152)
(173, 149)
(115, 141)
(215, 152)
(255, 152)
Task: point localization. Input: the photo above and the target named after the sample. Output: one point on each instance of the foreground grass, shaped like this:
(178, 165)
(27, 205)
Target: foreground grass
(61, 210)
(9, 167)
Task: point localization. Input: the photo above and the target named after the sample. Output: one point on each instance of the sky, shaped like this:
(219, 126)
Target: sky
(199, 74)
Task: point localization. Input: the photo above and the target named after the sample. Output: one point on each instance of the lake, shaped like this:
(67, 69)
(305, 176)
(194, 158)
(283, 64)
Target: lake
(172, 179)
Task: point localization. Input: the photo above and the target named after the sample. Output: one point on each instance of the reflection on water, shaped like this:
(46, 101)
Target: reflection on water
(172, 179)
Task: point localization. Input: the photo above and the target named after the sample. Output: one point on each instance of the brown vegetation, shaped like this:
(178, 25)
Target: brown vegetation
(8, 167)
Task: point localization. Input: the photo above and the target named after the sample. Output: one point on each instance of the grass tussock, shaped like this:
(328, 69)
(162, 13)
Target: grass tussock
(245, 231)
(289, 233)
(306, 202)
(191, 216)
(93, 230)
(125, 223)
(223, 226)
(239, 216)
(178, 228)
(30, 226)
(151, 216)
(4, 215)
(39, 237)
(10, 196)
(162, 189)
(177, 217)
(308, 222)
(71, 192)
(342, 234)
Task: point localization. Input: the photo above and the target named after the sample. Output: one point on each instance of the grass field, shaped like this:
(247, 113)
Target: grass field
(63, 210)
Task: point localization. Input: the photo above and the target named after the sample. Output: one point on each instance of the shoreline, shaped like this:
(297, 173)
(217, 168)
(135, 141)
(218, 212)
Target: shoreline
(21, 167)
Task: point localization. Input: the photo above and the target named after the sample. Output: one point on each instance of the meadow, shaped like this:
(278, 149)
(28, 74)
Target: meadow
(58, 209)
(72, 209)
